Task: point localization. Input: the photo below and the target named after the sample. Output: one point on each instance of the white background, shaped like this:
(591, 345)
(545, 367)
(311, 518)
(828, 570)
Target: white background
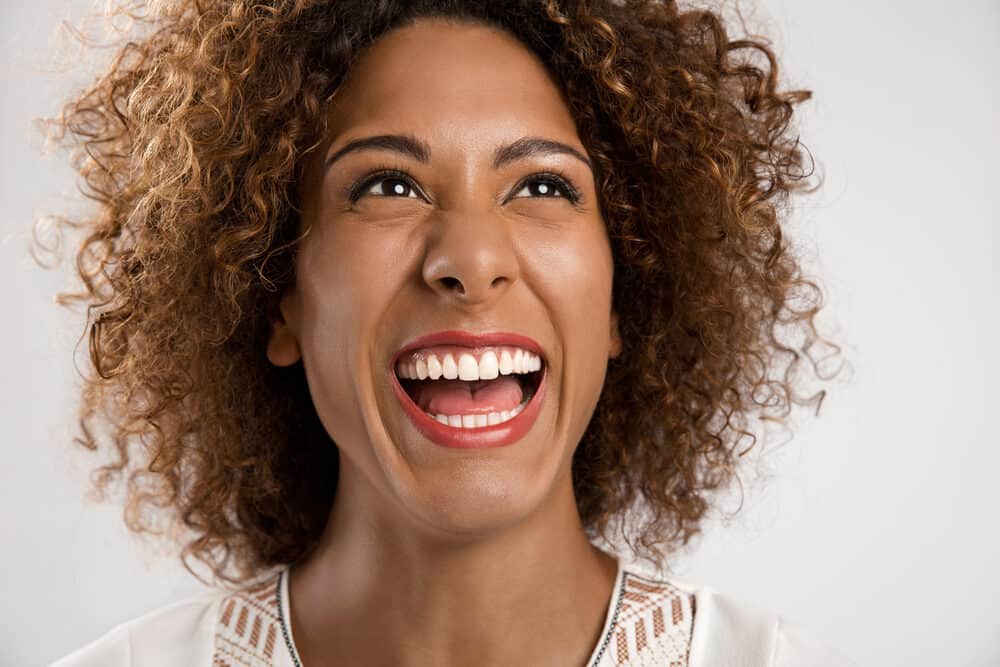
(876, 530)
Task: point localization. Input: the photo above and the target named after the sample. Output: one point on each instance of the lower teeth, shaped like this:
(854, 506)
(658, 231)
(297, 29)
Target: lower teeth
(480, 420)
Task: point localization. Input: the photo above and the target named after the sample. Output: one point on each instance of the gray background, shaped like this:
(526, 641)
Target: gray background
(874, 528)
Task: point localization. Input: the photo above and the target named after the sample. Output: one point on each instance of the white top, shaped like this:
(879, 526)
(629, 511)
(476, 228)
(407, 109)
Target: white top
(649, 623)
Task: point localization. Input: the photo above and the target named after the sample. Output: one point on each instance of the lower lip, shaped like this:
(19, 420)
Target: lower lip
(497, 435)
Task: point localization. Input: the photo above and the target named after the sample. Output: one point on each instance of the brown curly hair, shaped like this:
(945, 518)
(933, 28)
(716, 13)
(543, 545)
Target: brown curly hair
(191, 143)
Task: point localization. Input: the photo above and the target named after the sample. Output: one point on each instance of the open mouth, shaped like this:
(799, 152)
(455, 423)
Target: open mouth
(471, 388)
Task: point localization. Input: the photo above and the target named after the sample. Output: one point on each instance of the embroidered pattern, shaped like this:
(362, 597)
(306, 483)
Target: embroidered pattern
(650, 626)
(247, 630)
(653, 625)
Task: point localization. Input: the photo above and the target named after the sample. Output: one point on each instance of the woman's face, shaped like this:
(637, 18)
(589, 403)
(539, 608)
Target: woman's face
(470, 236)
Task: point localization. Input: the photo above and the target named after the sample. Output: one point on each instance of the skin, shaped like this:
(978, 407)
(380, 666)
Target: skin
(431, 555)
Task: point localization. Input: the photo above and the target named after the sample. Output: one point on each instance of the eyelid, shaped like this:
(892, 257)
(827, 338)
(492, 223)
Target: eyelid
(573, 195)
(355, 190)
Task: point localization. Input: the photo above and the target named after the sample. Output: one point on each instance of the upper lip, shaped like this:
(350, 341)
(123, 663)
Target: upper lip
(470, 339)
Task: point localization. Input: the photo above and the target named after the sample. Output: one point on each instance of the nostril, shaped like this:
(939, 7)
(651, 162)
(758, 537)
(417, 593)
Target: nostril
(451, 283)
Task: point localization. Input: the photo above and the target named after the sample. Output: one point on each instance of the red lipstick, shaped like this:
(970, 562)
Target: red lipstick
(497, 435)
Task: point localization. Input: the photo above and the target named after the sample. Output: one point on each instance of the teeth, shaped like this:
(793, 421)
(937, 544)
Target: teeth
(526, 363)
(448, 368)
(479, 420)
(490, 365)
(468, 369)
(433, 367)
(506, 363)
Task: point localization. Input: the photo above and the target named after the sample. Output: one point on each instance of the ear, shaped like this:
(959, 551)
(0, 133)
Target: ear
(283, 345)
(615, 337)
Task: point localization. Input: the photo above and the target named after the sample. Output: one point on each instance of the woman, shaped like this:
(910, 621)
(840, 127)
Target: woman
(402, 305)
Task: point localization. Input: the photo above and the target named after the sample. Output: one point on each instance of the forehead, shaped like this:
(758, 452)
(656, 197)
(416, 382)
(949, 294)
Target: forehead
(441, 79)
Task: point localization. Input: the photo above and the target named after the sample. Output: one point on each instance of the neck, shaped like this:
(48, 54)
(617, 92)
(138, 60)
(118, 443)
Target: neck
(379, 591)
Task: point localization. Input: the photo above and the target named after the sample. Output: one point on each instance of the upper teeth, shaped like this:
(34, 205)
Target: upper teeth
(485, 364)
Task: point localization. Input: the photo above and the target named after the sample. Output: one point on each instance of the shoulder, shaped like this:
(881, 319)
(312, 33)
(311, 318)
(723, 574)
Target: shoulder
(178, 634)
(728, 632)
(216, 627)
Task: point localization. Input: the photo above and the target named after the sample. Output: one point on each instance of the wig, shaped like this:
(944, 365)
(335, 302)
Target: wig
(192, 143)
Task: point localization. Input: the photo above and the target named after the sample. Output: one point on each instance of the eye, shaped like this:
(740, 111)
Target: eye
(385, 184)
(390, 187)
(547, 186)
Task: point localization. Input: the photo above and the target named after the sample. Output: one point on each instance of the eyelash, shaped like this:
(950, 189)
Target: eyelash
(571, 194)
(355, 189)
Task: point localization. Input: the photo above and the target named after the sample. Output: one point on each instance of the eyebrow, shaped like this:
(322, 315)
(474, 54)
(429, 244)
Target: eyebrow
(412, 147)
(531, 146)
(397, 143)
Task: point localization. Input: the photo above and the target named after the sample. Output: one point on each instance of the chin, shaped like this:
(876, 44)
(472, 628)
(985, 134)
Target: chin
(474, 502)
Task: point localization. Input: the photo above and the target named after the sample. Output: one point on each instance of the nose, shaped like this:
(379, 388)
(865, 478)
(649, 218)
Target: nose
(470, 257)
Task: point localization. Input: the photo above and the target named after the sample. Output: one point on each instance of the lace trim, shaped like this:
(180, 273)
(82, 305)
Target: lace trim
(651, 625)
(654, 626)
(247, 628)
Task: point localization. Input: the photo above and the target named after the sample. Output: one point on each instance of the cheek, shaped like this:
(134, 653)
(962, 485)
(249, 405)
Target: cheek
(575, 269)
(349, 275)
(576, 272)
(346, 287)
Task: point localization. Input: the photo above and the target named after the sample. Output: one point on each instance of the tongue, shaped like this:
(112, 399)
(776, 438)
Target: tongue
(458, 397)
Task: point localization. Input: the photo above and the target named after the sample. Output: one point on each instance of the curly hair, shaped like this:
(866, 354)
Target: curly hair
(191, 142)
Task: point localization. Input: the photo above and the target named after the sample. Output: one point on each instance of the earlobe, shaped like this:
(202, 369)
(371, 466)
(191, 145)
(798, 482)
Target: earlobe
(615, 337)
(283, 345)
